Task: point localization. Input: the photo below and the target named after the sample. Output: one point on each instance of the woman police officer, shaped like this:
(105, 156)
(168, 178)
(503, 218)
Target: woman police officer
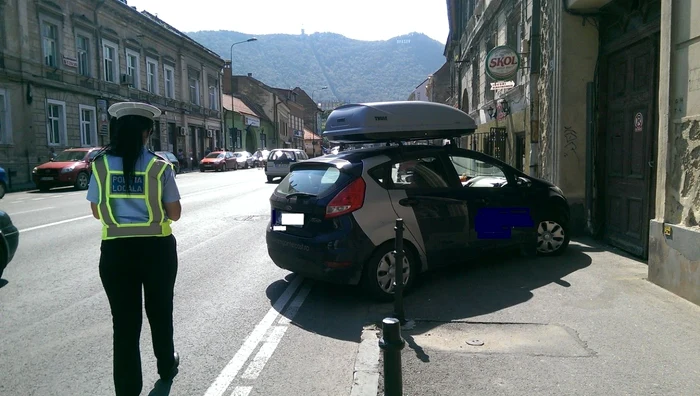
(133, 193)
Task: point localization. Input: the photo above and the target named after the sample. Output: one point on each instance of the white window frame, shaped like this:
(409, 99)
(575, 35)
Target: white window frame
(57, 50)
(137, 70)
(169, 84)
(5, 118)
(152, 88)
(115, 61)
(62, 124)
(213, 97)
(88, 52)
(92, 123)
(196, 100)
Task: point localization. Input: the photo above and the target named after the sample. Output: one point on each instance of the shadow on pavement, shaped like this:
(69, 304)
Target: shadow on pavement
(449, 294)
(3, 282)
(57, 190)
(161, 388)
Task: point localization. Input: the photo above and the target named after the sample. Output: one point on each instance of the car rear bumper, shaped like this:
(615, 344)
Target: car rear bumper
(56, 180)
(338, 257)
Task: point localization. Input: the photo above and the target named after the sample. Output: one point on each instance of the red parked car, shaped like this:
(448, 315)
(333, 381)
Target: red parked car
(70, 168)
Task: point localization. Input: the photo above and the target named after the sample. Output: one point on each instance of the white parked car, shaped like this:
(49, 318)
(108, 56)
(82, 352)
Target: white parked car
(278, 162)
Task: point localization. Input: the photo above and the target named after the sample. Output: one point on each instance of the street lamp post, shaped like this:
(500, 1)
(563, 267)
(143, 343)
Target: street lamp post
(232, 100)
(313, 139)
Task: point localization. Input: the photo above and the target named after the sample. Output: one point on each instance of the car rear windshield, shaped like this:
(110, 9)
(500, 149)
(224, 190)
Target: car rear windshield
(70, 156)
(312, 181)
(215, 155)
(282, 156)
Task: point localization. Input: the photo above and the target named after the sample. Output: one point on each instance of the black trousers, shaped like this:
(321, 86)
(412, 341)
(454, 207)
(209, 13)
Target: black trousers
(128, 265)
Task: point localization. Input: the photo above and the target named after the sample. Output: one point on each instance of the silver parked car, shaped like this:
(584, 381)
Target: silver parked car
(277, 164)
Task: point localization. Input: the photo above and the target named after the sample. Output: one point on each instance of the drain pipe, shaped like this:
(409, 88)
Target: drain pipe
(535, 32)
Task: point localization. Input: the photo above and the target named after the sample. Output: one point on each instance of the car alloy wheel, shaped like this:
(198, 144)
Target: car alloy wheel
(551, 237)
(82, 181)
(385, 272)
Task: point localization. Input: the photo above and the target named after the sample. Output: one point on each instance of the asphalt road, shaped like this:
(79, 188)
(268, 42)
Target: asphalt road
(55, 325)
(586, 323)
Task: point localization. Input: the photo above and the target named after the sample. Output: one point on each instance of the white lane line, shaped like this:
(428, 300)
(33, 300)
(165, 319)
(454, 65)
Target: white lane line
(53, 224)
(265, 353)
(366, 374)
(242, 391)
(293, 308)
(38, 199)
(32, 211)
(229, 372)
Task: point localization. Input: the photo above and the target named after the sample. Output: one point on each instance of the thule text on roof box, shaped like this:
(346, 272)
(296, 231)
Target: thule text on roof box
(396, 121)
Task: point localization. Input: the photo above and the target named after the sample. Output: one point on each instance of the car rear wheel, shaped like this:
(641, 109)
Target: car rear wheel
(3, 190)
(223, 168)
(3, 258)
(82, 181)
(269, 179)
(378, 277)
(552, 236)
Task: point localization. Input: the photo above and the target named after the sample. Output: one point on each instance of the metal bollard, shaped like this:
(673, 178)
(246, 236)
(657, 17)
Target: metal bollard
(392, 344)
(398, 272)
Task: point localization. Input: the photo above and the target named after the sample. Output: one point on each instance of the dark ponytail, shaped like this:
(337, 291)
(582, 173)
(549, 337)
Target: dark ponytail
(126, 141)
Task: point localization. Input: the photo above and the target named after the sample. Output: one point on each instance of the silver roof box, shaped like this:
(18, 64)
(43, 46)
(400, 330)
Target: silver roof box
(396, 121)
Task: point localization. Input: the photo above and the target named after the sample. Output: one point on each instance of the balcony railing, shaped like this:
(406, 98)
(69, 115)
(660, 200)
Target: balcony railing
(492, 143)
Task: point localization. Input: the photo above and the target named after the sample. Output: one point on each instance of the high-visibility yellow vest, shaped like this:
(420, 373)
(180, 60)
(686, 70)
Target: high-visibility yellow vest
(152, 195)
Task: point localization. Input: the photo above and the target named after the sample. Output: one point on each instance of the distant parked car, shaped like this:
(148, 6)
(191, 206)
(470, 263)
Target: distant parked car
(9, 239)
(3, 182)
(277, 164)
(219, 161)
(258, 158)
(242, 158)
(70, 168)
(171, 158)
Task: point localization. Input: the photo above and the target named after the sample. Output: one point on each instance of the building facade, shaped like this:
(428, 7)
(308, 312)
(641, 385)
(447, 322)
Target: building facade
(274, 107)
(604, 106)
(246, 124)
(439, 86)
(296, 116)
(421, 91)
(63, 63)
(674, 255)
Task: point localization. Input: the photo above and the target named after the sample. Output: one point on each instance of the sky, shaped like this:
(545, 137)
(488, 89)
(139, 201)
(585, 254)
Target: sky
(356, 19)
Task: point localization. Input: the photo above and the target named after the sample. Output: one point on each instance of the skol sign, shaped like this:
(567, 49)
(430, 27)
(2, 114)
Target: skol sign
(502, 63)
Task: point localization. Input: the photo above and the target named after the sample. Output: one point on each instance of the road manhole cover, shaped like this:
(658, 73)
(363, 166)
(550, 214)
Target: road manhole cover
(475, 342)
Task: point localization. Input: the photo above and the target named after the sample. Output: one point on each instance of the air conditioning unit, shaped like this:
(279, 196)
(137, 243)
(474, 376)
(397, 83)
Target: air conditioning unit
(210, 133)
(182, 131)
(126, 79)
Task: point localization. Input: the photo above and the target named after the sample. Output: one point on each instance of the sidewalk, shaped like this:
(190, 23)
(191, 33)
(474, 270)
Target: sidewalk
(586, 323)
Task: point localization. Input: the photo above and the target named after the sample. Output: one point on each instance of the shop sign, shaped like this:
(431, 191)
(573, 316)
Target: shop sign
(502, 63)
(254, 121)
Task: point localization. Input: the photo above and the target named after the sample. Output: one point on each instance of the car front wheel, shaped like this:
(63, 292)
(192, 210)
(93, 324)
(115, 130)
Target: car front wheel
(82, 181)
(552, 236)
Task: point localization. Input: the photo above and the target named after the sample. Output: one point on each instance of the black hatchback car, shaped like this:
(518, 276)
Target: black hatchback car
(333, 217)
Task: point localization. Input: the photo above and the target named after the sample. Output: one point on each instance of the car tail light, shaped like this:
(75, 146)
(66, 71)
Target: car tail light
(348, 199)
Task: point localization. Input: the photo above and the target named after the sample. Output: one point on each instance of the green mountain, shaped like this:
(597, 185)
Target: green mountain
(353, 70)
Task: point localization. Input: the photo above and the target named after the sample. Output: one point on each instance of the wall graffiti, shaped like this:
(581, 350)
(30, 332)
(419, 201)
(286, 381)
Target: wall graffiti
(570, 138)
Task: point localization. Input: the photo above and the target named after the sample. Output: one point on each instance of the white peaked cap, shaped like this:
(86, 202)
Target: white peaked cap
(122, 109)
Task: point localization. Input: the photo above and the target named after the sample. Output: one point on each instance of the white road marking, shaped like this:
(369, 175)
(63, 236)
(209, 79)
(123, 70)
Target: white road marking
(38, 199)
(229, 372)
(366, 373)
(32, 211)
(265, 353)
(293, 308)
(242, 391)
(53, 224)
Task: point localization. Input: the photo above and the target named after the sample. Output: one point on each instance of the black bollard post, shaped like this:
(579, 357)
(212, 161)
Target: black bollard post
(398, 273)
(392, 344)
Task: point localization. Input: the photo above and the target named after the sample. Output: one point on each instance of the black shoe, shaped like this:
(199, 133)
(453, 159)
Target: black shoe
(172, 372)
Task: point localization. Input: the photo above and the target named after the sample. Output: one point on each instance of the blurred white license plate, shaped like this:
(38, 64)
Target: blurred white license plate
(292, 219)
(47, 178)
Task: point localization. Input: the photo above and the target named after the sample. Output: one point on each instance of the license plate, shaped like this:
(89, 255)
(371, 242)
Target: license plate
(47, 178)
(281, 165)
(289, 219)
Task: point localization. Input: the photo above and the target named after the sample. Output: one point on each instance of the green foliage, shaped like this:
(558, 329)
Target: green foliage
(353, 70)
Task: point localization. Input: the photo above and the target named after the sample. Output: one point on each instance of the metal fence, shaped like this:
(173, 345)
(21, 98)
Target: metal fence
(493, 143)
